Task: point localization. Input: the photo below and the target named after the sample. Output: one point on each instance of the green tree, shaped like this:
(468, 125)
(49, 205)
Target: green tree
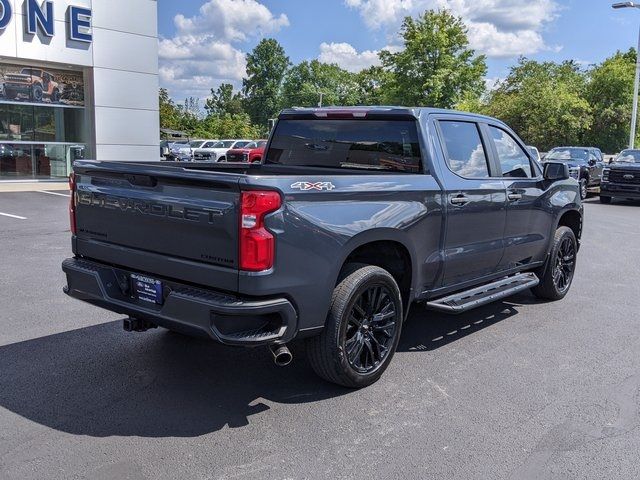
(610, 93)
(266, 68)
(227, 126)
(436, 68)
(170, 113)
(307, 81)
(544, 102)
(224, 101)
(372, 86)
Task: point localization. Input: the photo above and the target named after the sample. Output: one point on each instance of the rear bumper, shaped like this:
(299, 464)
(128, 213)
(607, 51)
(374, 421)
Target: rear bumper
(225, 318)
(608, 189)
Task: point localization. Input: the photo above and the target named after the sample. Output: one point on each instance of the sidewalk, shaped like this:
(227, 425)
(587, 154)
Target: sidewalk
(32, 186)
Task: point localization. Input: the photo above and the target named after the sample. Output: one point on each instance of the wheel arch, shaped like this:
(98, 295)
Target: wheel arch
(388, 249)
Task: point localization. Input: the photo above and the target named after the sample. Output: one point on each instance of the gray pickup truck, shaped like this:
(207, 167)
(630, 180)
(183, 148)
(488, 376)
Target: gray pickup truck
(353, 215)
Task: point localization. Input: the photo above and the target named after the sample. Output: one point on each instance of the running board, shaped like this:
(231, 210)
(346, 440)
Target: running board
(491, 292)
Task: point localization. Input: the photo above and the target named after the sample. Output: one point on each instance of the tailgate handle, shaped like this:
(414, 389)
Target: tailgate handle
(142, 180)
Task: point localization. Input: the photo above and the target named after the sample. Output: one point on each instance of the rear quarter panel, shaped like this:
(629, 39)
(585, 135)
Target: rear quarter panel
(317, 230)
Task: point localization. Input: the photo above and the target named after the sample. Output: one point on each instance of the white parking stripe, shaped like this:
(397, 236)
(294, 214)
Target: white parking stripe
(13, 216)
(54, 193)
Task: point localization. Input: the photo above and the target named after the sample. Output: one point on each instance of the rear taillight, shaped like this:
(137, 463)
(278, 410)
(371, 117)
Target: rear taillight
(72, 203)
(257, 244)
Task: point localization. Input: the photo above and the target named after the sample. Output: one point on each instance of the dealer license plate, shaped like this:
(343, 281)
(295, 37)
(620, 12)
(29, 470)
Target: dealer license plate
(147, 289)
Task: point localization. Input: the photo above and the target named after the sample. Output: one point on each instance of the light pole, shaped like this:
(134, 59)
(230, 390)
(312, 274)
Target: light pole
(636, 85)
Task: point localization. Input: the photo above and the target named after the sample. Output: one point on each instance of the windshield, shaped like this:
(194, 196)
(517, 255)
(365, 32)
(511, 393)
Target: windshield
(30, 71)
(628, 156)
(565, 154)
(196, 144)
(261, 144)
(225, 144)
(251, 145)
(241, 144)
(357, 144)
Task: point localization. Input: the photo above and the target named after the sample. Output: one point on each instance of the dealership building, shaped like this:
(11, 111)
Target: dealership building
(78, 79)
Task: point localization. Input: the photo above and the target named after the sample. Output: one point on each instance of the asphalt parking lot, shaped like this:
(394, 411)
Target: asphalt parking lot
(520, 389)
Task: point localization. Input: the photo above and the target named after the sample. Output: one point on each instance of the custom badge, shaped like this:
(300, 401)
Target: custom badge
(320, 186)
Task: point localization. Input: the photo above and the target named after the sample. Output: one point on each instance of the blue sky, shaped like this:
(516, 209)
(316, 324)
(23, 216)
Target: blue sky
(203, 42)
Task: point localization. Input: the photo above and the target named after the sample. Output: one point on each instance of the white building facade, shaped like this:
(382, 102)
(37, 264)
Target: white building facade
(78, 79)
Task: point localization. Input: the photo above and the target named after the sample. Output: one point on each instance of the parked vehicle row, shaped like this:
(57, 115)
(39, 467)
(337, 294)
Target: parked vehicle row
(213, 150)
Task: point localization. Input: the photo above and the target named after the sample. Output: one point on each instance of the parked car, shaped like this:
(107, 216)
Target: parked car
(621, 178)
(33, 83)
(186, 150)
(353, 215)
(174, 150)
(585, 165)
(252, 152)
(218, 151)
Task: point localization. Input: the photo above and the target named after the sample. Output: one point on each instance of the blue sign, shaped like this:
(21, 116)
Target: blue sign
(39, 19)
(5, 13)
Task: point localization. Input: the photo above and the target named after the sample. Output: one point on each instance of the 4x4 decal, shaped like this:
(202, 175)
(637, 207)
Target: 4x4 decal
(305, 186)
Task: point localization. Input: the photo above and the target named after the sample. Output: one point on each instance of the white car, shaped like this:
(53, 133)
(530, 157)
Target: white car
(218, 151)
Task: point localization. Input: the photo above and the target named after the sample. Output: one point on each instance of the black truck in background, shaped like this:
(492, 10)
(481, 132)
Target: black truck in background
(621, 178)
(353, 215)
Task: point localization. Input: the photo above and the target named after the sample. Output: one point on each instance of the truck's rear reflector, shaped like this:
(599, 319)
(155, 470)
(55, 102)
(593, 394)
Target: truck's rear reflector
(257, 244)
(72, 203)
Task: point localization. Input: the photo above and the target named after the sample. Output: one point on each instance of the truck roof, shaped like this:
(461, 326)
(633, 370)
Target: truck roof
(416, 112)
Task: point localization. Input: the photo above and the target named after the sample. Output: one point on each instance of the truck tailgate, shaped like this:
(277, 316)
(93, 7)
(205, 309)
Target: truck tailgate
(167, 221)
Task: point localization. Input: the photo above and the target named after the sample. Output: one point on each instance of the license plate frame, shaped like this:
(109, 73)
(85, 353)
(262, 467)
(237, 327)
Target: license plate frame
(147, 289)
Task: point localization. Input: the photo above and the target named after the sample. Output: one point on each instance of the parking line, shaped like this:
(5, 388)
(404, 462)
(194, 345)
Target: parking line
(13, 216)
(54, 193)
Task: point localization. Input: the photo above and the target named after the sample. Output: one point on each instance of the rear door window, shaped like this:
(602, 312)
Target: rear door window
(513, 159)
(384, 145)
(465, 152)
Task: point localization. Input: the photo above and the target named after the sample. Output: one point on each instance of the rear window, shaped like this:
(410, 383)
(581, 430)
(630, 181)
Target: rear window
(358, 144)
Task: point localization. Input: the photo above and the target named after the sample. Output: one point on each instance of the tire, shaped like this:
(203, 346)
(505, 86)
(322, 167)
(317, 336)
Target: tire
(557, 275)
(55, 96)
(36, 93)
(605, 200)
(10, 94)
(355, 349)
(583, 188)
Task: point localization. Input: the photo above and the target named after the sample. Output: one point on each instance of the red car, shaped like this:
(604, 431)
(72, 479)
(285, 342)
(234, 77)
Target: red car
(249, 153)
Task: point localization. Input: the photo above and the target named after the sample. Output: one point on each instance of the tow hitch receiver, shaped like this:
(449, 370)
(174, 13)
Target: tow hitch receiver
(137, 325)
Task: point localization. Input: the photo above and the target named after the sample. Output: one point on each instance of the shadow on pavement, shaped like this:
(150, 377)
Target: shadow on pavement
(99, 381)
(427, 330)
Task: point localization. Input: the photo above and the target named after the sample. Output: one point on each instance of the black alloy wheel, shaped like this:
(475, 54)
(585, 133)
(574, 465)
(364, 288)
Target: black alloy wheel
(362, 329)
(371, 329)
(565, 265)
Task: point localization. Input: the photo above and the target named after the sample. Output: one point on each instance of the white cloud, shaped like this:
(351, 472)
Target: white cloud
(498, 28)
(346, 56)
(203, 53)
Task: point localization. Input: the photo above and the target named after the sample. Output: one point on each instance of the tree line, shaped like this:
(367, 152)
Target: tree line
(547, 103)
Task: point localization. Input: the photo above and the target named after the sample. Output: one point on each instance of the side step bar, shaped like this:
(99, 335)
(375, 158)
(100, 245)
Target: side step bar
(491, 292)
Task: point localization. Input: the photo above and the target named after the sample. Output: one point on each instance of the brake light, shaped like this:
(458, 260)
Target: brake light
(257, 244)
(72, 203)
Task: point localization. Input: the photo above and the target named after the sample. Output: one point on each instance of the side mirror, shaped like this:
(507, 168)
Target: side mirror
(554, 171)
(165, 151)
(592, 163)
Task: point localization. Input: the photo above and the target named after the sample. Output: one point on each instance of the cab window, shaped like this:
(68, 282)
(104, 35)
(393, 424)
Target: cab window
(465, 151)
(514, 161)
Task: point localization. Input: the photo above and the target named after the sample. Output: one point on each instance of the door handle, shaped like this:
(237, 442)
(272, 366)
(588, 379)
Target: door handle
(459, 200)
(514, 197)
